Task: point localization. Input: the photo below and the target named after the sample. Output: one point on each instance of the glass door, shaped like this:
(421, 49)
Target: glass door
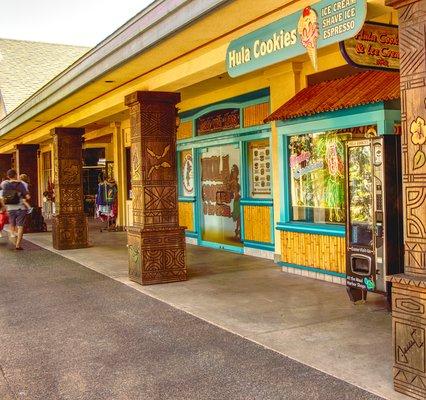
(220, 196)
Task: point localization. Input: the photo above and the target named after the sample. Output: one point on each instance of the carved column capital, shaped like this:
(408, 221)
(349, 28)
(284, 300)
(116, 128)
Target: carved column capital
(151, 97)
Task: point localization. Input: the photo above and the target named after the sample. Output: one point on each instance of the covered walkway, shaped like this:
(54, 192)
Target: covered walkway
(308, 320)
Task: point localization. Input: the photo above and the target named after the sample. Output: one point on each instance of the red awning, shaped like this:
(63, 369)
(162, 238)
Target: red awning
(355, 90)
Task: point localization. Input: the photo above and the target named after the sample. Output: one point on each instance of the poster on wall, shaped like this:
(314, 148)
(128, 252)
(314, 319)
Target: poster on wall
(187, 173)
(221, 194)
(261, 171)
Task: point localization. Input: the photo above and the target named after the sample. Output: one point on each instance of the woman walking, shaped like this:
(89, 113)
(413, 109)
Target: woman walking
(14, 195)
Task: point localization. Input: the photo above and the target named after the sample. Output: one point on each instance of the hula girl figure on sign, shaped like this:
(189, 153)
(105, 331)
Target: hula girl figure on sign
(234, 188)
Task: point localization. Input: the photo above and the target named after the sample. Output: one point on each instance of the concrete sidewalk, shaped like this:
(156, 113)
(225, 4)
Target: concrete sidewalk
(67, 332)
(310, 321)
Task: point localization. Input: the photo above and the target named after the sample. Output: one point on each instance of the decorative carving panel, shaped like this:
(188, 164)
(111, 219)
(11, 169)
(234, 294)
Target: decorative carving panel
(408, 320)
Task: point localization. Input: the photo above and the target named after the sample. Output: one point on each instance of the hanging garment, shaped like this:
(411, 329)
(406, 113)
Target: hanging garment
(106, 201)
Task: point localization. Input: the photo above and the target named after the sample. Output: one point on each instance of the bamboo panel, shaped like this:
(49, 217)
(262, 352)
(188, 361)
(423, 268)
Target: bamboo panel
(186, 215)
(257, 223)
(316, 251)
(255, 114)
(184, 130)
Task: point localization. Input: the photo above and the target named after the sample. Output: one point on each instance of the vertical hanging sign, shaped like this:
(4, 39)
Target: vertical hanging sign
(314, 27)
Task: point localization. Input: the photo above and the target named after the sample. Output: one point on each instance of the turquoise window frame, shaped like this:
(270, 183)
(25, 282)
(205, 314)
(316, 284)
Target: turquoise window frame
(239, 137)
(372, 114)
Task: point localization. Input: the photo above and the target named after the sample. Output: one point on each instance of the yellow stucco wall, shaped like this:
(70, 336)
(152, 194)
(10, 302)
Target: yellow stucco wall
(316, 251)
(186, 215)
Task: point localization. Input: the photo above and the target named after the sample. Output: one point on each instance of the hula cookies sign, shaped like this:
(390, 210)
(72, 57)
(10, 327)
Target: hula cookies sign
(316, 26)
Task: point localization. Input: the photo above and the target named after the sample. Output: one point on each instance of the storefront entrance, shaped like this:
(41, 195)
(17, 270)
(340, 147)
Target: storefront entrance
(220, 196)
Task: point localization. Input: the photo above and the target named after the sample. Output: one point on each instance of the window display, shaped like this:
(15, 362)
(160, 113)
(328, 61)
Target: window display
(316, 172)
(260, 171)
(317, 180)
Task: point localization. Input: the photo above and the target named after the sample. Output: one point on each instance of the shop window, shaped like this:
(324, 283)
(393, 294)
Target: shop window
(47, 171)
(186, 173)
(128, 174)
(317, 177)
(260, 169)
(94, 157)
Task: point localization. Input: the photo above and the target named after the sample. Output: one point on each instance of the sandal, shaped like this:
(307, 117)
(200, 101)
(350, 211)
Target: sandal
(19, 248)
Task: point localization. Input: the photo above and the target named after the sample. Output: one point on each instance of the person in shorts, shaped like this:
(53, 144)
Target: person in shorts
(14, 194)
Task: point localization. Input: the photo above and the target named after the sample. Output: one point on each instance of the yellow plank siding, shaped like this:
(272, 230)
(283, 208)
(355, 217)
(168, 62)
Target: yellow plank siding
(255, 114)
(316, 251)
(184, 130)
(257, 223)
(186, 215)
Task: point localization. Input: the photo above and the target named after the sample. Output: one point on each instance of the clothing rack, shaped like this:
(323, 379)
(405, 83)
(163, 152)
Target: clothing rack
(108, 227)
(107, 197)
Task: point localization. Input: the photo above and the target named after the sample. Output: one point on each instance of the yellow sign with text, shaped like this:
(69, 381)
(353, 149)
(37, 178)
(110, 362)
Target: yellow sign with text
(375, 46)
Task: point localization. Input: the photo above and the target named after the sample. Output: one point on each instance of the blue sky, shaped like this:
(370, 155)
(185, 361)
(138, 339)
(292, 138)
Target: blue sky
(77, 22)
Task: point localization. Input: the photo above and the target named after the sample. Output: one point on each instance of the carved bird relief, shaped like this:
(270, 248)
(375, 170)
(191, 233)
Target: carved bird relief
(163, 164)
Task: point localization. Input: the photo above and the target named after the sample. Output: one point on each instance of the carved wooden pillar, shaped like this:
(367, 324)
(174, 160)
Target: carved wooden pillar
(156, 242)
(26, 163)
(409, 289)
(5, 165)
(69, 228)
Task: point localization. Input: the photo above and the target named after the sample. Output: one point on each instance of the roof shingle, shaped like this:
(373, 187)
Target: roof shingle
(26, 66)
(351, 91)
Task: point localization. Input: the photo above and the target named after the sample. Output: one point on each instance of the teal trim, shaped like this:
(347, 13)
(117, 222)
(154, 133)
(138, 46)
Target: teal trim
(284, 179)
(191, 234)
(249, 201)
(178, 171)
(244, 183)
(187, 199)
(320, 271)
(312, 228)
(372, 114)
(220, 246)
(253, 97)
(221, 106)
(197, 187)
(244, 176)
(259, 245)
(226, 137)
